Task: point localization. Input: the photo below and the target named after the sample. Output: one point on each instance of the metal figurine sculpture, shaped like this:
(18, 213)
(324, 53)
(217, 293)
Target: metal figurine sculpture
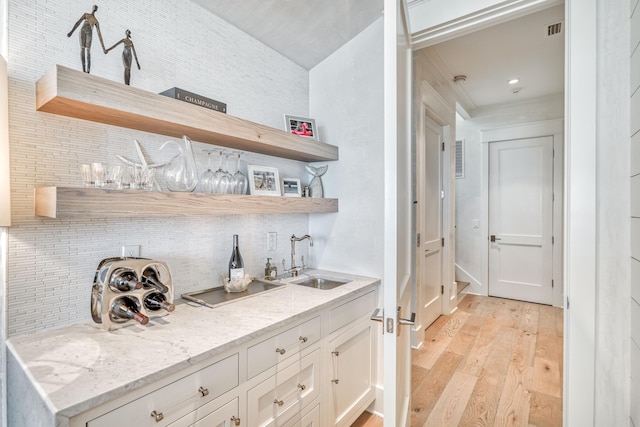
(316, 183)
(86, 34)
(126, 55)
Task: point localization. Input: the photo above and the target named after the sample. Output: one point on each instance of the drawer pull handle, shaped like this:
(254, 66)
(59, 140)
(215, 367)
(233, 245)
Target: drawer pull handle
(279, 402)
(303, 339)
(236, 420)
(281, 351)
(336, 381)
(203, 391)
(159, 416)
(302, 386)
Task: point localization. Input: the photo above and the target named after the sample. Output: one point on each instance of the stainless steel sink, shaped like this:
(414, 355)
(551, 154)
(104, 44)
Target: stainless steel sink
(320, 282)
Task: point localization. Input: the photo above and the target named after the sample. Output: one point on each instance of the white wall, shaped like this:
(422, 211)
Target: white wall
(346, 99)
(635, 213)
(469, 240)
(51, 263)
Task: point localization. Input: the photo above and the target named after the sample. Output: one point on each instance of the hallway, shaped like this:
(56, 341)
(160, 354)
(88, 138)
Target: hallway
(494, 362)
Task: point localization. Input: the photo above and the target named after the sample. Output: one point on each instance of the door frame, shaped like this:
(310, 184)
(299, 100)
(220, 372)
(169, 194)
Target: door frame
(555, 129)
(432, 104)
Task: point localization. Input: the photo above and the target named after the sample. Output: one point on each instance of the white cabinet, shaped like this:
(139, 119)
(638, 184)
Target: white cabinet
(169, 403)
(226, 415)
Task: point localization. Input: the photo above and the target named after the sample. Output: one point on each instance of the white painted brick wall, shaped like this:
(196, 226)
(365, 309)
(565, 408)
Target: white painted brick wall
(51, 263)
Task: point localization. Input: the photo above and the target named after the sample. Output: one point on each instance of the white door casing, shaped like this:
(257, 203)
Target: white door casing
(429, 223)
(398, 224)
(520, 219)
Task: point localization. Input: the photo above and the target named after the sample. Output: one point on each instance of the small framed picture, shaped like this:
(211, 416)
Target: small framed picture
(291, 187)
(301, 126)
(263, 181)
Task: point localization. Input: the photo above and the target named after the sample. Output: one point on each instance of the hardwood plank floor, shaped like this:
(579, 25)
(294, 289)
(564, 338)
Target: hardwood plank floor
(494, 362)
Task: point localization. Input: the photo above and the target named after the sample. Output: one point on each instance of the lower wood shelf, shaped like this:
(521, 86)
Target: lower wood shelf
(74, 202)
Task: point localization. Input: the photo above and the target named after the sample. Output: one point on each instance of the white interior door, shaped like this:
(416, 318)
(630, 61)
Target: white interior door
(398, 226)
(521, 219)
(429, 188)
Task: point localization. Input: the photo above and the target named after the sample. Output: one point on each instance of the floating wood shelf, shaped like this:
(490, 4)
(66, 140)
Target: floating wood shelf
(72, 202)
(84, 96)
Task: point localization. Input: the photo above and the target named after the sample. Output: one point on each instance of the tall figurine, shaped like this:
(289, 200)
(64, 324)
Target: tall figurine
(86, 34)
(126, 55)
(316, 183)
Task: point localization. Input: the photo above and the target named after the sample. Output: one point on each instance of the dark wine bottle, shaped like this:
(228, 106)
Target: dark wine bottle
(236, 264)
(156, 301)
(150, 280)
(124, 280)
(126, 308)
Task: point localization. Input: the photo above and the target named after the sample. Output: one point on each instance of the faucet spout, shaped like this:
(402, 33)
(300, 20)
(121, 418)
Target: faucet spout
(294, 239)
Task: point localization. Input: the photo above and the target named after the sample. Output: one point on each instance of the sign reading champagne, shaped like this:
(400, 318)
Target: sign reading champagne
(193, 98)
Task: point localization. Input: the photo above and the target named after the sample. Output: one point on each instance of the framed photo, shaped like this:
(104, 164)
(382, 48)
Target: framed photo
(301, 126)
(291, 187)
(263, 181)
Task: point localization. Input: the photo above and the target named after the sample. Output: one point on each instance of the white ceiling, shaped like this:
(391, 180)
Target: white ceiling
(308, 31)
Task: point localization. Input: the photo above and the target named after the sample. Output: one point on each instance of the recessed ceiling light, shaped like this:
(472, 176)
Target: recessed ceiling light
(513, 81)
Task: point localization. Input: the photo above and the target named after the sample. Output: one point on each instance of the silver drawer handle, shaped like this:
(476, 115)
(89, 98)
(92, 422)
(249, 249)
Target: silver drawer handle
(159, 416)
(203, 391)
(236, 420)
(336, 381)
(279, 402)
(301, 387)
(302, 339)
(281, 351)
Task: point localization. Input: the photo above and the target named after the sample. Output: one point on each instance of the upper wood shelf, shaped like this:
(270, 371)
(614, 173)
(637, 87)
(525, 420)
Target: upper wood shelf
(76, 94)
(72, 202)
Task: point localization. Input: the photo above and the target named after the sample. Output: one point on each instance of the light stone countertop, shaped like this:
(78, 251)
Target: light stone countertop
(78, 367)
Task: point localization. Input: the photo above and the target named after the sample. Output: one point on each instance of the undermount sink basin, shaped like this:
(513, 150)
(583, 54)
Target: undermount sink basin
(320, 282)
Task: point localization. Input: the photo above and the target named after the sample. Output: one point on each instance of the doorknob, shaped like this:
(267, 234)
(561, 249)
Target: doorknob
(375, 316)
(494, 238)
(410, 322)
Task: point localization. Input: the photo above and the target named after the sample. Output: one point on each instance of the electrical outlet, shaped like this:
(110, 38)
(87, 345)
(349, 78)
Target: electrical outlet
(131, 251)
(476, 223)
(272, 241)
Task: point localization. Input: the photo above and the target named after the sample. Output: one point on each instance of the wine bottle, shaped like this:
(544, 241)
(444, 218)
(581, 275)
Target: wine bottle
(236, 264)
(150, 280)
(126, 308)
(156, 301)
(124, 280)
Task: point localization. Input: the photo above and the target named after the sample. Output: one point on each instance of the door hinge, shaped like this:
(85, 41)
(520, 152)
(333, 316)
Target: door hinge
(567, 303)
(553, 240)
(442, 289)
(442, 194)
(443, 146)
(418, 241)
(443, 241)
(552, 283)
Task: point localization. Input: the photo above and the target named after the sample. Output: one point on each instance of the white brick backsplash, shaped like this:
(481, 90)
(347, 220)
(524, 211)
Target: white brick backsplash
(51, 263)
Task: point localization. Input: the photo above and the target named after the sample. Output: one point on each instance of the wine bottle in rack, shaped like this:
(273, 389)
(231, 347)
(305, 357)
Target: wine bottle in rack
(124, 280)
(126, 308)
(150, 280)
(156, 301)
(236, 264)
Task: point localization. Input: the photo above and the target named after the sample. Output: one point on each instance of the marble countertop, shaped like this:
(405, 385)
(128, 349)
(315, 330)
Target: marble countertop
(78, 367)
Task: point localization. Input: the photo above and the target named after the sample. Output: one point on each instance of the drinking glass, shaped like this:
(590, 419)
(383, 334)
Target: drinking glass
(99, 171)
(112, 177)
(207, 177)
(87, 176)
(220, 178)
(239, 182)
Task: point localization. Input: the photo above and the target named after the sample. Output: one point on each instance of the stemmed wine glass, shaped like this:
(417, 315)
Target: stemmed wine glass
(239, 182)
(220, 178)
(207, 177)
(226, 155)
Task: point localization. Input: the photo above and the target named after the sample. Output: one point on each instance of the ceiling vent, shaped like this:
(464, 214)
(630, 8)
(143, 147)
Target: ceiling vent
(554, 29)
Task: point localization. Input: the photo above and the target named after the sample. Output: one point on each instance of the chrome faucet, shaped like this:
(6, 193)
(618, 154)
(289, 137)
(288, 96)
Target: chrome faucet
(294, 270)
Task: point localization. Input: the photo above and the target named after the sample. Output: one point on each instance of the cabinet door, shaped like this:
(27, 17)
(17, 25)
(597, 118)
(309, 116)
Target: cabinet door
(352, 372)
(310, 419)
(224, 416)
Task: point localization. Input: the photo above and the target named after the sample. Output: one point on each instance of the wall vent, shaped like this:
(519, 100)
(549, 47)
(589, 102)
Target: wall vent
(460, 158)
(554, 29)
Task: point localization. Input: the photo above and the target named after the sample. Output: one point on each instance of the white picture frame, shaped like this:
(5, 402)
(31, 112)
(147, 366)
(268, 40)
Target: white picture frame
(263, 181)
(301, 126)
(291, 187)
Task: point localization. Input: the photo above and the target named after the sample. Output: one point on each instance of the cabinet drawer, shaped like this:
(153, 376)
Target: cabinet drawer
(310, 419)
(269, 352)
(225, 415)
(176, 399)
(288, 391)
(352, 310)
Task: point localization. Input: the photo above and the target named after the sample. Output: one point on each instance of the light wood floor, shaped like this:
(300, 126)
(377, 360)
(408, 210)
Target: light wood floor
(494, 362)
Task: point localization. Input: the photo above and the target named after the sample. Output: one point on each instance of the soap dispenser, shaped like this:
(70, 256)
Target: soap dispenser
(270, 271)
